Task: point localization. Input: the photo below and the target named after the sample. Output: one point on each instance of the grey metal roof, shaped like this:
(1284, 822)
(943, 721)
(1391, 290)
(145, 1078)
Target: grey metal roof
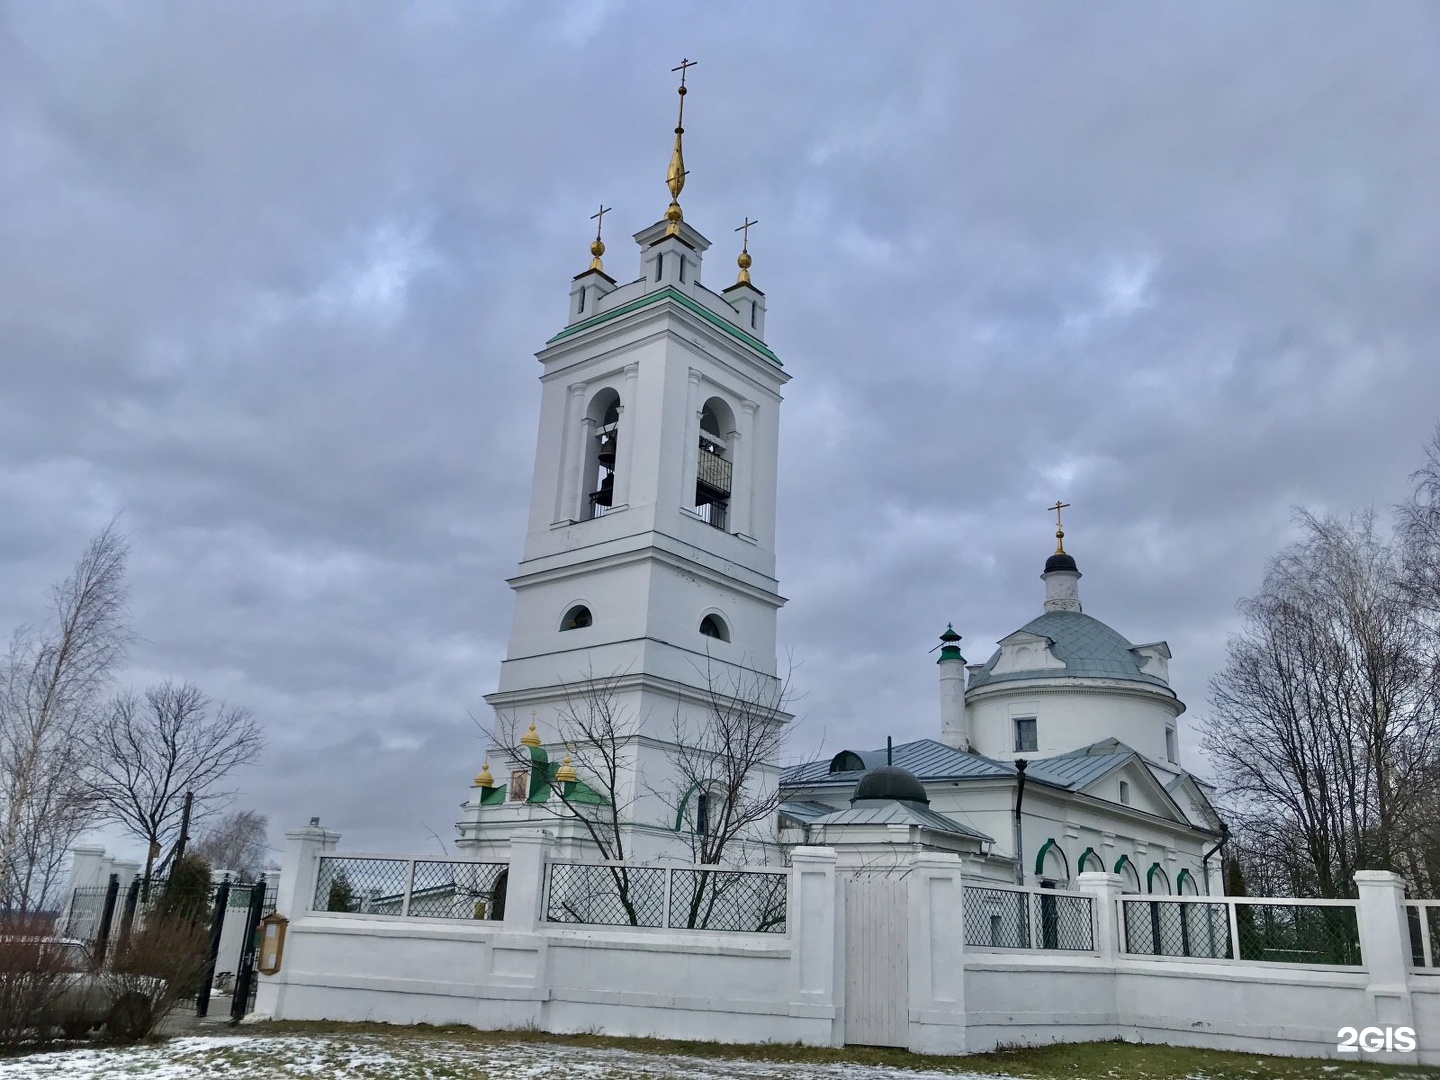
(1080, 768)
(1090, 649)
(894, 812)
(805, 810)
(928, 759)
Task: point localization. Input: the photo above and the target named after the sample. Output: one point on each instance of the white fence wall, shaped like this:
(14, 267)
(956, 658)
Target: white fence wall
(791, 986)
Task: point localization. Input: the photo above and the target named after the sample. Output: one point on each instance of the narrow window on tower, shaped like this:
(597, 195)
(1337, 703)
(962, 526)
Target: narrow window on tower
(713, 473)
(682, 268)
(1124, 793)
(580, 303)
(659, 266)
(702, 813)
(1172, 752)
(1025, 739)
(753, 315)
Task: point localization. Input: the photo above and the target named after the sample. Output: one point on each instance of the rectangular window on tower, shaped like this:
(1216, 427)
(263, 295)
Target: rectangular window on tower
(1172, 751)
(1025, 739)
(1124, 793)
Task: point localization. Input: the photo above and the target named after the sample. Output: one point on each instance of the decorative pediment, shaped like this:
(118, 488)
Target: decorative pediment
(1024, 651)
(1154, 659)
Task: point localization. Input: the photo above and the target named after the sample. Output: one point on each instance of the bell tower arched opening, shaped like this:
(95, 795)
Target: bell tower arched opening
(602, 452)
(715, 472)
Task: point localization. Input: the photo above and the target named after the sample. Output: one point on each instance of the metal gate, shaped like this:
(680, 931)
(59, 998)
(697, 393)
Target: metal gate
(877, 964)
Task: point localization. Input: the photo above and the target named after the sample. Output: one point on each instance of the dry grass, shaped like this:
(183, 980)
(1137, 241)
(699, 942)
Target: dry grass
(1109, 1060)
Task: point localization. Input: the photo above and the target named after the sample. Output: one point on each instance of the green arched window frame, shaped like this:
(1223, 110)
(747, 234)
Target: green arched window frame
(1180, 880)
(1045, 849)
(1150, 876)
(1087, 857)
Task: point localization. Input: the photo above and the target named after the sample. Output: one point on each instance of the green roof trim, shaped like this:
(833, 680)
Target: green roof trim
(491, 796)
(1089, 853)
(672, 293)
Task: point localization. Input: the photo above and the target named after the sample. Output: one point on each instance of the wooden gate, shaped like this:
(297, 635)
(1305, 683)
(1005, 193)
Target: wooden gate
(877, 964)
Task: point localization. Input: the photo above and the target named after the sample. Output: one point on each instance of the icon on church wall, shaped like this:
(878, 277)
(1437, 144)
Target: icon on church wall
(519, 785)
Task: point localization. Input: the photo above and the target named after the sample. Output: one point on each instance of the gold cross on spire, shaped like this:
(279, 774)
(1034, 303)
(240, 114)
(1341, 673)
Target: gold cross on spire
(744, 260)
(598, 247)
(1059, 529)
(675, 174)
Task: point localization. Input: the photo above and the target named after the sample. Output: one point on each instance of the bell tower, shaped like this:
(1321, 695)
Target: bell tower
(649, 553)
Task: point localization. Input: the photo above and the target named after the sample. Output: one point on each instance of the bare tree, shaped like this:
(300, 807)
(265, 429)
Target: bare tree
(1325, 727)
(50, 683)
(151, 750)
(722, 802)
(236, 842)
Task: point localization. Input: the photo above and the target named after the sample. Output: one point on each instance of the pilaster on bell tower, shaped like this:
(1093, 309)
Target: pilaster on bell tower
(650, 541)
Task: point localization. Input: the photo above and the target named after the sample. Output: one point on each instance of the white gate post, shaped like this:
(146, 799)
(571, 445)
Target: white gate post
(296, 892)
(816, 915)
(937, 954)
(525, 885)
(1385, 951)
(1105, 888)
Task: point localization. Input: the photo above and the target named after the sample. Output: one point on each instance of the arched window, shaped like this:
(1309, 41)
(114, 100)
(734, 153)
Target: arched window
(1090, 862)
(1185, 884)
(1156, 880)
(602, 453)
(847, 761)
(1051, 864)
(577, 618)
(1126, 869)
(714, 626)
(497, 895)
(714, 470)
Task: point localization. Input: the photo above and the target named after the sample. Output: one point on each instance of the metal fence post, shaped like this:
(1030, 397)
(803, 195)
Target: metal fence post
(245, 971)
(217, 927)
(107, 915)
(409, 887)
(1231, 906)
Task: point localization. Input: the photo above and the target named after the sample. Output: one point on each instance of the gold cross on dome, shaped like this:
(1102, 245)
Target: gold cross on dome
(599, 218)
(1059, 529)
(745, 229)
(684, 64)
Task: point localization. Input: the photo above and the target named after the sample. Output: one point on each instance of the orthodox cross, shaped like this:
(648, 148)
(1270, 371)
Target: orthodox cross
(599, 218)
(1059, 529)
(681, 69)
(745, 228)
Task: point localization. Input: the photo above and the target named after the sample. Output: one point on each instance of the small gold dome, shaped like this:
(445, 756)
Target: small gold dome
(531, 737)
(566, 774)
(485, 780)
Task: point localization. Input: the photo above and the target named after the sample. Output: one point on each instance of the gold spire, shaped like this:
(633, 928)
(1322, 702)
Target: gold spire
(566, 774)
(598, 247)
(675, 174)
(1059, 530)
(744, 260)
(485, 779)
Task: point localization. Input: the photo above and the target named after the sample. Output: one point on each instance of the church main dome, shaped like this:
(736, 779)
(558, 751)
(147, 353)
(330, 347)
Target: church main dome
(1088, 648)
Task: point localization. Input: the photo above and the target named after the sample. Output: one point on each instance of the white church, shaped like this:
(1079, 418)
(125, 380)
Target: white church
(1042, 869)
(649, 569)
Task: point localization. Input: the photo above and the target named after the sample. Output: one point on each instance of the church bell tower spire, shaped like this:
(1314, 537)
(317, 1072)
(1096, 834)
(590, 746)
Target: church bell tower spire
(675, 174)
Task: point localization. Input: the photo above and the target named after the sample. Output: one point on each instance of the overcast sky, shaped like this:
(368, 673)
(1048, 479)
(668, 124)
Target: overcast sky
(272, 277)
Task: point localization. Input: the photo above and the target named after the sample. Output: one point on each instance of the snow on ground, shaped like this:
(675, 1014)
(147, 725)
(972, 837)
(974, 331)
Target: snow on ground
(395, 1057)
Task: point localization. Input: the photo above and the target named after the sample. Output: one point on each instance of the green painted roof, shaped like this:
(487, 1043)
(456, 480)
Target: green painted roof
(669, 292)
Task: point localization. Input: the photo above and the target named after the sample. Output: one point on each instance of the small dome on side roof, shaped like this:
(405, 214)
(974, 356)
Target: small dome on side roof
(890, 782)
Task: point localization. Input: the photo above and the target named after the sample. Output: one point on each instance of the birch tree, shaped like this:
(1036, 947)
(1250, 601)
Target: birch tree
(51, 682)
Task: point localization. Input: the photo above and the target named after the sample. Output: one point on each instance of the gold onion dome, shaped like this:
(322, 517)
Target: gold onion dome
(484, 779)
(531, 737)
(744, 263)
(566, 774)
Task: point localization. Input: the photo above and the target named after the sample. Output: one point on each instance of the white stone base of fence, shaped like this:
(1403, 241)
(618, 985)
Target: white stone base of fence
(1031, 973)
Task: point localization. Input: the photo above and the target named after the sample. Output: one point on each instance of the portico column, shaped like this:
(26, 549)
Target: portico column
(572, 446)
(692, 441)
(582, 503)
(626, 430)
(743, 453)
